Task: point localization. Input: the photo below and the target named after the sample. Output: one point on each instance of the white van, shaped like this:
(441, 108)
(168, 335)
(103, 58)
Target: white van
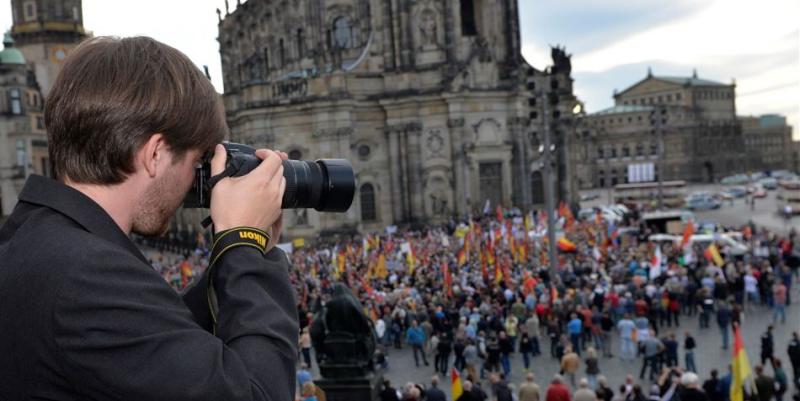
(730, 243)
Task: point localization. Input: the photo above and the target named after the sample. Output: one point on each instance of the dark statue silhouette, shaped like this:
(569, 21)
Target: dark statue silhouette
(343, 336)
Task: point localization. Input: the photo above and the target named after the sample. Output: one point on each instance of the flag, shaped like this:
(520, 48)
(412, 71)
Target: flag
(382, 272)
(455, 390)
(688, 231)
(487, 207)
(740, 366)
(566, 245)
(462, 257)
(655, 264)
(499, 212)
(712, 254)
(448, 279)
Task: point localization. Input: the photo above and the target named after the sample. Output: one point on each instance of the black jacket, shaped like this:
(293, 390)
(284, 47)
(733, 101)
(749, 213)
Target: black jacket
(85, 317)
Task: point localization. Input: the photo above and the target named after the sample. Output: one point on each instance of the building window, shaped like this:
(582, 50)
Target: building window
(342, 33)
(281, 53)
(300, 44)
(601, 178)
(653, 149)
(367, 196)
(613, 177)
(639, 149)
(45, 167)
(677, 96)
(669, 98)
(39, 122)
(468, 26)
(266, 62)
(613, 152)
(16, 101)
(626, 151)
(600, 154)
(30, 10)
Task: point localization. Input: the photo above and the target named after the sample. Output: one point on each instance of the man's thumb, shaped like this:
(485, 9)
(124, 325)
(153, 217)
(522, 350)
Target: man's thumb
(218, 161)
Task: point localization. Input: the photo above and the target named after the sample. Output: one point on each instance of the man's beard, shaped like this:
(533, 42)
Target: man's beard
(162, 200)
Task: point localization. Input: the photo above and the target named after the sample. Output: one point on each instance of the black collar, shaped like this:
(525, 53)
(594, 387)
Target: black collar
(83, 210)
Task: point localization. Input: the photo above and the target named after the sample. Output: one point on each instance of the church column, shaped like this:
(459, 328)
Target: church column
(404, 182)
(396, 173)
(521, 192)
(456, 128)
(414, 171)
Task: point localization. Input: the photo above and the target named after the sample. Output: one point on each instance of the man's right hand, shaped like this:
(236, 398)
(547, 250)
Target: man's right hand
(253, 200)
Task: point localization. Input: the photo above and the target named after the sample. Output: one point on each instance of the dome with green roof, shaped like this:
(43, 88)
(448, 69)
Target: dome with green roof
(10, 55)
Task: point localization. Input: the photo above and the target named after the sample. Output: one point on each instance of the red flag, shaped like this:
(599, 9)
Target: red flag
(499, 211)
(448, 279)
(688, 231)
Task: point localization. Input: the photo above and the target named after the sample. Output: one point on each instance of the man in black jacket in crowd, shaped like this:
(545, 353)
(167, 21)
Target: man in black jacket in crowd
(84, 315)
(794, 357)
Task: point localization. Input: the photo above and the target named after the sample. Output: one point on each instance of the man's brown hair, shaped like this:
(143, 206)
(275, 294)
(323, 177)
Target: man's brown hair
(112, 94)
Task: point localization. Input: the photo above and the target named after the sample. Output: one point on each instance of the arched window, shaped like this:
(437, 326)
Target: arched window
(342, 33)
(368, 203)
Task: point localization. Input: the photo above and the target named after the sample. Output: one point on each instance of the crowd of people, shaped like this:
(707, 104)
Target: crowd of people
(473, 294)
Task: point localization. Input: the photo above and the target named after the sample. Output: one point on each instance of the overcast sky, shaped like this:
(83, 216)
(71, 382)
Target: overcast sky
(613, 42)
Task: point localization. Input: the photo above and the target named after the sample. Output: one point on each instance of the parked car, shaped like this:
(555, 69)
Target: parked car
(768, 183)
(759, 192)
(702, 202)
(737, 192)
(736, 179)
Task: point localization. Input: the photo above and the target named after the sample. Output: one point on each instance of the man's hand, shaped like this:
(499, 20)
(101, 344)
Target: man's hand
(253, 200)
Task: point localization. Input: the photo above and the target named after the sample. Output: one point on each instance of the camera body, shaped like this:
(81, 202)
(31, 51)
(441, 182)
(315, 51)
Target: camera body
(326, 185)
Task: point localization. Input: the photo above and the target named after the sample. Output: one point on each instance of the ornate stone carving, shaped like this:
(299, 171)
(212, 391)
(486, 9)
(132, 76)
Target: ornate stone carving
(435, 142)
(455, 122)
(428, 28)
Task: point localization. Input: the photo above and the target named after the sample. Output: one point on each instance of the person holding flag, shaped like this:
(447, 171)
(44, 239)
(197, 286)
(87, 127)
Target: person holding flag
(740, 367)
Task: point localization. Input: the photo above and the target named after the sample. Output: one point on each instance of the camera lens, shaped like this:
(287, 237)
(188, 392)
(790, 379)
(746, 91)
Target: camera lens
(327, 185)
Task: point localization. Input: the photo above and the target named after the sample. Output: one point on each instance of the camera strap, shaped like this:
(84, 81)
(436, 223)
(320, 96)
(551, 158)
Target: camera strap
(223, 242)
(229, 171)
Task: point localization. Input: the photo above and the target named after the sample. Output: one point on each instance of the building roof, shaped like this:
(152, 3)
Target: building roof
(692, 81)
(620, 109)
(10, 55)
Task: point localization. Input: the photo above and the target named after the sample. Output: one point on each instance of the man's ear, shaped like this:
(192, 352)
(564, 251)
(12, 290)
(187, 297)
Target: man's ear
(152, 152)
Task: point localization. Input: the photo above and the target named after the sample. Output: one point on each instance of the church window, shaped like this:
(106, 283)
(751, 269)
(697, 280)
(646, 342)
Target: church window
(342, 33)
(16, 101)
(30, 10)
(295, 154)
(300, 44)
(281, 53)
(266, 61)
(468, 26)
(367, 196)
(364, 152)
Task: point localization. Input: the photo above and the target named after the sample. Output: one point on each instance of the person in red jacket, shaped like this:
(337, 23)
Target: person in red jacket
(557, 390)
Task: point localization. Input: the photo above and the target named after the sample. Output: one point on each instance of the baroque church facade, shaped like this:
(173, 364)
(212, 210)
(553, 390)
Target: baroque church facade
(42, 34)
(430, 100)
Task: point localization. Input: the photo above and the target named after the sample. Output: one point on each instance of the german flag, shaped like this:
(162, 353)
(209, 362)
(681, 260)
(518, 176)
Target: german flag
(456, 390)
(740, 366)
(462, 257)
(712, 254)
(566, 245)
